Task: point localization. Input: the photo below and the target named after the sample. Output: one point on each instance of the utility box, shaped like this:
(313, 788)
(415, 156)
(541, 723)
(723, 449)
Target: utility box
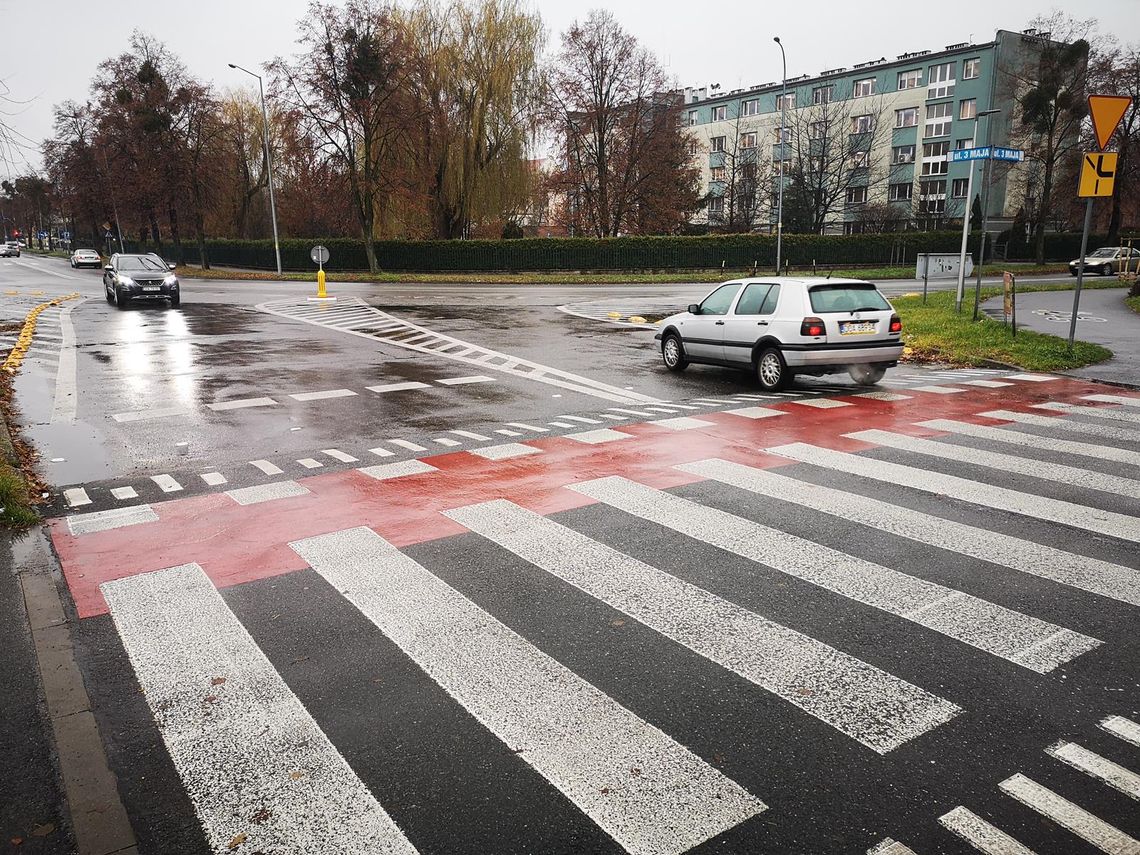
(940, 265)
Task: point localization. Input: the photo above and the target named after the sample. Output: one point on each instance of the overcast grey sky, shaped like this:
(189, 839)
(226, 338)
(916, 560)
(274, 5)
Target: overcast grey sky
(51, 49)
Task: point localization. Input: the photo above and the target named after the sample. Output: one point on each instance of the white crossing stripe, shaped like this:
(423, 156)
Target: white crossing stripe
(1067, 568)
(122, 493)
(267, 492)
(146, 415)
(981, 835)
(1076, 819)
(593, 437)
(525, 426)
(384, 471)
(1125, 400)
(1027, 641)
(447, 442)
(671, 409)
(756, 412)
(938, 390)
(822, 403)
(1034, 378)
(310, 463)
(889, 846)
(505, 451)
(641, 413)
(166, 483)
(242, 404)
(561, 424)
(380, 452)
(106, 520)
(713, 401)
(1115, 414)
(1013, 464)
(1113, 774)
(987, 495)
(581, 419)
(1032, 440)
(461, 381)
(398, 387)
(765, 397)
(875, 708)
(683, 423)
(241, 741)
(614, 417)
(213, 479)
(320, 396)
(336, 454)
(410, 446)
(621, 771)
(1122, 727)
(985, 384)
(505, 432)
(1067, 425)
(466, 434)
(884, 396)
(266, 467)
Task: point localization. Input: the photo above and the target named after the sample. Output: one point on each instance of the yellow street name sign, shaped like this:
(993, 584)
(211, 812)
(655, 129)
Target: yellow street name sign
(1098, 174)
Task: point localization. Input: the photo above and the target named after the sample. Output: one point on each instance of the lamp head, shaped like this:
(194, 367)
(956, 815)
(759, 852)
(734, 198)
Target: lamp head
(776, 39)
(231, 65)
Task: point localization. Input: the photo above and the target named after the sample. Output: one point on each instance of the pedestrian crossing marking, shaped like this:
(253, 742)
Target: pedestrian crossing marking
(622, 772)
(267, 492)
(890, 847)
(1067, 425)
(1032, 440)
(384, 471)
(1123, 728)
(1024, 640)
(1113, 774)
(1112, 413)
(1124, 400)
(869, 705)
(1076, 819)
(115, 518)
(981, 835)
(123, 493)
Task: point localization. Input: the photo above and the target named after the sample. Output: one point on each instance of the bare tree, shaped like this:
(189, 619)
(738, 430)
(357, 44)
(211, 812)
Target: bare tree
(743, 172)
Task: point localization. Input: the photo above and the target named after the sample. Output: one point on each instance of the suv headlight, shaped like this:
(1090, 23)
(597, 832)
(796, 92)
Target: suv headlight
(125, 280)
(170, 280)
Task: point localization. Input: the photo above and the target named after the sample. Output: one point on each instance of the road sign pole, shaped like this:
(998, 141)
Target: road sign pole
(965, 238)
(1080, 272)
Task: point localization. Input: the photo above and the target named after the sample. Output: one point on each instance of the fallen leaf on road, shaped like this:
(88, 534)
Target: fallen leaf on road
(236, 841)
(261, 816)
(43, 830)
(296, 776)
(218, 681)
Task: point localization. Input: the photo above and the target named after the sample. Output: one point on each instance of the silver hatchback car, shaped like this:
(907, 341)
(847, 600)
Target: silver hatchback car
(781, 326)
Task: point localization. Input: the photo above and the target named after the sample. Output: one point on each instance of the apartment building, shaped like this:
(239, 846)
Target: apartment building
(868, 145)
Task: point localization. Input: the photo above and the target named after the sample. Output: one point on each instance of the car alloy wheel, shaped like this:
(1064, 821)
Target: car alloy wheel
(771, 371)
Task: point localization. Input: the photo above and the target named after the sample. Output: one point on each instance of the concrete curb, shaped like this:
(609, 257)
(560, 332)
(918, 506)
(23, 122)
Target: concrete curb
(98, 817)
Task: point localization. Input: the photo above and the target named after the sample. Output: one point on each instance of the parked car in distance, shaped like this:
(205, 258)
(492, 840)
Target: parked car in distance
(130, 277)
(10, 248)
(781, 326)
(86, 258)
(1108, 260)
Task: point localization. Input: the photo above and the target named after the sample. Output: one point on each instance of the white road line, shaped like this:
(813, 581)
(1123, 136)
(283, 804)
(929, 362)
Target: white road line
(1115, 414)
(122, 493)
(1032, 440)
(867, 704)
(622, 772)
(213, 479)
(765, 397)
(447, 442)
(669, 410)
(266, 467)
(614, 417)
(937, 390)
(581, 419)
(506, 450)
(336, 454)
(1067, 425)
(1019, 638)
(466, 434)
(410, 446)
(987, 495)
(504, 432)
(985, 384)
(683, 423)
(310, 463)
(462, 381)
(594, 437)
(384, 471)
(525, 426)
(1113, 774)
(380, 452)
(822, 403)
(1033, 378)
(1124, 400)
(105, 520)
(561, 424)
(888, 846)
(1076, 819)
(884, 396)
(641, 413)
(756, 412)
(714, 401)
(241, 741)
(66, 400)
(980, 834)
(242, 404)
(166, 483)
(320, 396)
(1010, 463)
(267, 492)
(398, 387)
(1123, 728)
(146, 415)
(1046, 562)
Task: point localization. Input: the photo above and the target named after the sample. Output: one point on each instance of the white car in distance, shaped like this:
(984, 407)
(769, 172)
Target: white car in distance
(782, 326)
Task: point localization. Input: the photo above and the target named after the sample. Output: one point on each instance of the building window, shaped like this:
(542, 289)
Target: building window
(748, 140)
(932, 197)
(861, 159)
(967, 108)
(822, 94)
(818, 130)
(716, 173)
(782, 135)
(910, 79)
(786, 102)
(902, 154)
(781, 167)
(748, 171)
(862, 124)
(717, 143)
(719, 114)
(750, 107)
(963, 144)
(938, 118)
(863, 88)
(971, 69)
(716, 207)
(906, 118)
(941, 81)
(958, 187)
(856, 195)
(692, 117)
(900, 192)
(694, 147)
(934, 158)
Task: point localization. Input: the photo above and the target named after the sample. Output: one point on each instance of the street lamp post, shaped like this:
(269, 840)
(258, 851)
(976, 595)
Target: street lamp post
(960, 294)
(985, 218)
(268, 161)
(780, 189)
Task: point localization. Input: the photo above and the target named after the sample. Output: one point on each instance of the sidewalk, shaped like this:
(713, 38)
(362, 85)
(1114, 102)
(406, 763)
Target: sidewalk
(1103, 319)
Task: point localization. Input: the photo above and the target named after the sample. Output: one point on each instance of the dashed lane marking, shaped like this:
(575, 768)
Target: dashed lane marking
(822, 403)
(641, 413)
(405, 444)
(384, 471)
(105, 520)
(380, 452)
(561, 424)
(213, 479)
(980, 834)
(938, 390)
(266, 467)
(505, 451)
(1095, 766)
(267, 492)
(461, 381)
(241, 404)
(447, 442)
(1076, 819)
(310, 463)
(529, 427)
(398, 387)
(166, 483)
(123, 493)
(581, 419)
(76, 497)
(66, 400)
(986, 384)
(320, 396)
(756, 412)
(884, 396)
(504, 432)
(466, 434)
(594, 437)
(145, 415)
(337, 454)
(683, 423)
(1032, 378)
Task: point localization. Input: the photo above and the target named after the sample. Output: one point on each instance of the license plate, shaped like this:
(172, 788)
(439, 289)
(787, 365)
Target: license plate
(857, 327)
(151, 288)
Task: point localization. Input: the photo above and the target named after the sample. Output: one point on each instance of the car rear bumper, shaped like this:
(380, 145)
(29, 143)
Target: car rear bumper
(810, 355)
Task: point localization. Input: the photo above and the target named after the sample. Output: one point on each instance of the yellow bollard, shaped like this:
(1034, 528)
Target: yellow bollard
(321, 284)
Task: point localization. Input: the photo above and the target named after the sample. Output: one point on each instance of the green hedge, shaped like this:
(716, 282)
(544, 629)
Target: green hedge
(734, 252)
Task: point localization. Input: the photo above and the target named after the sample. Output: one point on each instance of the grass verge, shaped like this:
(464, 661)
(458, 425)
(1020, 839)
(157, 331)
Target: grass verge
(1133, 303)
(18, 490)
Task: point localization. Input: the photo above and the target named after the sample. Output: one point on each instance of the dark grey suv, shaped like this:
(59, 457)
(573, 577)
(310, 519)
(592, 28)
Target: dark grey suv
(140, 277)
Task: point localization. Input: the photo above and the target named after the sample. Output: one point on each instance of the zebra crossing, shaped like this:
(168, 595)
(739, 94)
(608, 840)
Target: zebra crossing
(647, 667)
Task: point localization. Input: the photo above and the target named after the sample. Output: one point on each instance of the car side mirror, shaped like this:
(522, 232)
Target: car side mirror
(694, 309)
(109, 269)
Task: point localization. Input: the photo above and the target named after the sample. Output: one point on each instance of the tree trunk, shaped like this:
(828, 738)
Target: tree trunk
(1116, 216)
(1046, 199)
(155, 234)
(175, 235)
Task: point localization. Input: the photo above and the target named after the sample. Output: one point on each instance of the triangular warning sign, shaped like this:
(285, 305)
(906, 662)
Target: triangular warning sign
(1106, 112)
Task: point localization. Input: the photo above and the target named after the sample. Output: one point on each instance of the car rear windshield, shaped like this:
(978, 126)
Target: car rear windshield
(847, 298)
(139, 263)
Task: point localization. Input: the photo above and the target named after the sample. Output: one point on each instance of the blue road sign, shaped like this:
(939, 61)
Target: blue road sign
(987, 152)
(1015, 155)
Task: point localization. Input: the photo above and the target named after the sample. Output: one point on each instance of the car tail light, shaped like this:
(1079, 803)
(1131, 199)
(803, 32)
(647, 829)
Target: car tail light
(813, 327)
(896, 323)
